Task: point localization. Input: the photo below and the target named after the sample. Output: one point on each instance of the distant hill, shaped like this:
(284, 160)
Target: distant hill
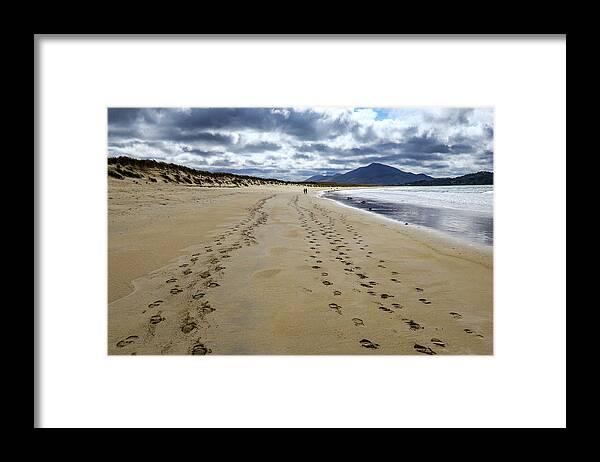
(319, 178)
(479, 178)
(151, 171)
(375, 173)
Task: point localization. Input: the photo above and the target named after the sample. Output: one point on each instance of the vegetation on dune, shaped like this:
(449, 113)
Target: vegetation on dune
(115, 174)
(122, 167)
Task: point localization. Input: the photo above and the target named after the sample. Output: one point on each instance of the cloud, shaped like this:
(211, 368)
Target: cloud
(294, 143)
(261, 146)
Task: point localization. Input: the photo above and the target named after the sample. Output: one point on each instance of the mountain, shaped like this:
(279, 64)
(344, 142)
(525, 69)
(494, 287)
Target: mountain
(374, 173)
(319, 178)
(481, 178)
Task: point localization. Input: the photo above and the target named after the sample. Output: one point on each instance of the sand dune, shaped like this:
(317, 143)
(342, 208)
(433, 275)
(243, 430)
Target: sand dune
(269, 270)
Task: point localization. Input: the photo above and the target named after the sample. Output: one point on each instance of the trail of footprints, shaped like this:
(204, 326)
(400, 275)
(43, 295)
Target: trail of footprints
(324, 241)
(196, 285)
(323, 235)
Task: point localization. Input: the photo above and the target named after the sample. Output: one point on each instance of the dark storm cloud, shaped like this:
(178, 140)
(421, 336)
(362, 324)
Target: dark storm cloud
(206, 137)
(341, 161)
(255, 148)
(302, 156)
(437, 165)
(313, 147)
(123, 116)
(454, 116)
(303, 124)
(201, 152)
(362, 151)
(223, 162)
(424, 144)
(462, 148)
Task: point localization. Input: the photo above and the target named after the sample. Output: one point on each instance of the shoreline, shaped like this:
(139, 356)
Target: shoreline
(444, 236)
(279, 274)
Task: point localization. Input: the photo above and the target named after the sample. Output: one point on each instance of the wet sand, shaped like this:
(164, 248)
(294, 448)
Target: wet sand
(467, 225)
(269, 270)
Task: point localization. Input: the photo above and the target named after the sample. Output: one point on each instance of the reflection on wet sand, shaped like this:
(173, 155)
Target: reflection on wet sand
(476, 227)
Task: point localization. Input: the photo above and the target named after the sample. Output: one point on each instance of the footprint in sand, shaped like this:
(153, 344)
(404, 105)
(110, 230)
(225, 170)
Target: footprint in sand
(386, 296)
(176, 290)
(327, 283)
(383, 308)
(337, 308)
(368, 344)
(425, 301)
(455, 315)
(358, 322)
(469, 331)
(204, 274)
(212, 284)
(413, 325)
(205, 308)
(171, 280)
(418, 289)
(156, 319)
(200, 349)
(127, 341)
(187, 271)
(337, 292)
(189, 327)
(155, 304)
(424, 349)
(397, 305)
(315, 267)
(198, 295)
(324, 274)
(438, 342)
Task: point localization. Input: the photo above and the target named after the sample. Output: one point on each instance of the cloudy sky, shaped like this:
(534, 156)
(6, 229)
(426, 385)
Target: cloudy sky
(295, 143)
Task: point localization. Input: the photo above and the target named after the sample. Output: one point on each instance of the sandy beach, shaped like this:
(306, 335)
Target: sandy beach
(270, 270)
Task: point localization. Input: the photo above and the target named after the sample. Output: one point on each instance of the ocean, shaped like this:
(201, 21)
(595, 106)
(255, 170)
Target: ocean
(463, 212)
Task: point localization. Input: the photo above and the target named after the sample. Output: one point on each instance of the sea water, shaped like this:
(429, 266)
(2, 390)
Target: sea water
(464, 212)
